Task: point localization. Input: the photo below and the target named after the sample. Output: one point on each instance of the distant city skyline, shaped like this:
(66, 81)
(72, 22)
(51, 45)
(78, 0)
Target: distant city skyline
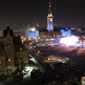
(15, 13)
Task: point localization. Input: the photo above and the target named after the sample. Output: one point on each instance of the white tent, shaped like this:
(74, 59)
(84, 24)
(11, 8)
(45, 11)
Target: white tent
(58, 58)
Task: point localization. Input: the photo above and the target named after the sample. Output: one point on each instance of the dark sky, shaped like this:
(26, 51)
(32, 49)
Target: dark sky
(17, 12)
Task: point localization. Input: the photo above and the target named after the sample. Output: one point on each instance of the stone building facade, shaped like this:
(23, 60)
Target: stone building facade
(11, 52)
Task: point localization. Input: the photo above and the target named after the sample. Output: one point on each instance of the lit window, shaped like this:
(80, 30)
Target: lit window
(20, 48)
(9, 59)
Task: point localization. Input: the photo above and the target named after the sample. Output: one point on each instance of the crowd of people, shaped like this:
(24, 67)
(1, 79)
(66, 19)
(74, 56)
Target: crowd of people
(66, 51)
(71, 72)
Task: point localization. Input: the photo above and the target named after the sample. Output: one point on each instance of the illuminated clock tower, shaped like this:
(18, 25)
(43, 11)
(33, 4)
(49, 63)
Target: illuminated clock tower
(50, 25)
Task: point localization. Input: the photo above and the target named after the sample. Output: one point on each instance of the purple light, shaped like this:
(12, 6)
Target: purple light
(72, 40)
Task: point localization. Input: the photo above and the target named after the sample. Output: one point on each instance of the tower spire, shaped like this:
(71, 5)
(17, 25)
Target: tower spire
(50, 7)
(50, 25)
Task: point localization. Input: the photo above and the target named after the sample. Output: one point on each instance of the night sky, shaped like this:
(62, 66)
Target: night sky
(66, 13)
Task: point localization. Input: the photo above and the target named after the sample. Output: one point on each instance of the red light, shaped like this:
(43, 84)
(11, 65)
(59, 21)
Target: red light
(49, 2)
(57, 76)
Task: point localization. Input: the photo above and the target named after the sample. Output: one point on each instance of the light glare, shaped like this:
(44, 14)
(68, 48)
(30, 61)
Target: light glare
(72, 40)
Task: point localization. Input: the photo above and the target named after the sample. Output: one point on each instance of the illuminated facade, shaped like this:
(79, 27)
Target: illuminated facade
(50, 25)
(65, 32)
(32, 33)
(43, 33)
(10, 52)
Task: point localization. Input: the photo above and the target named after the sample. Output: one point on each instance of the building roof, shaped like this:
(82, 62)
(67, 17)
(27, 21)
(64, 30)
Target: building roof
(8, 30)
(19, 47)
(1, 52)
